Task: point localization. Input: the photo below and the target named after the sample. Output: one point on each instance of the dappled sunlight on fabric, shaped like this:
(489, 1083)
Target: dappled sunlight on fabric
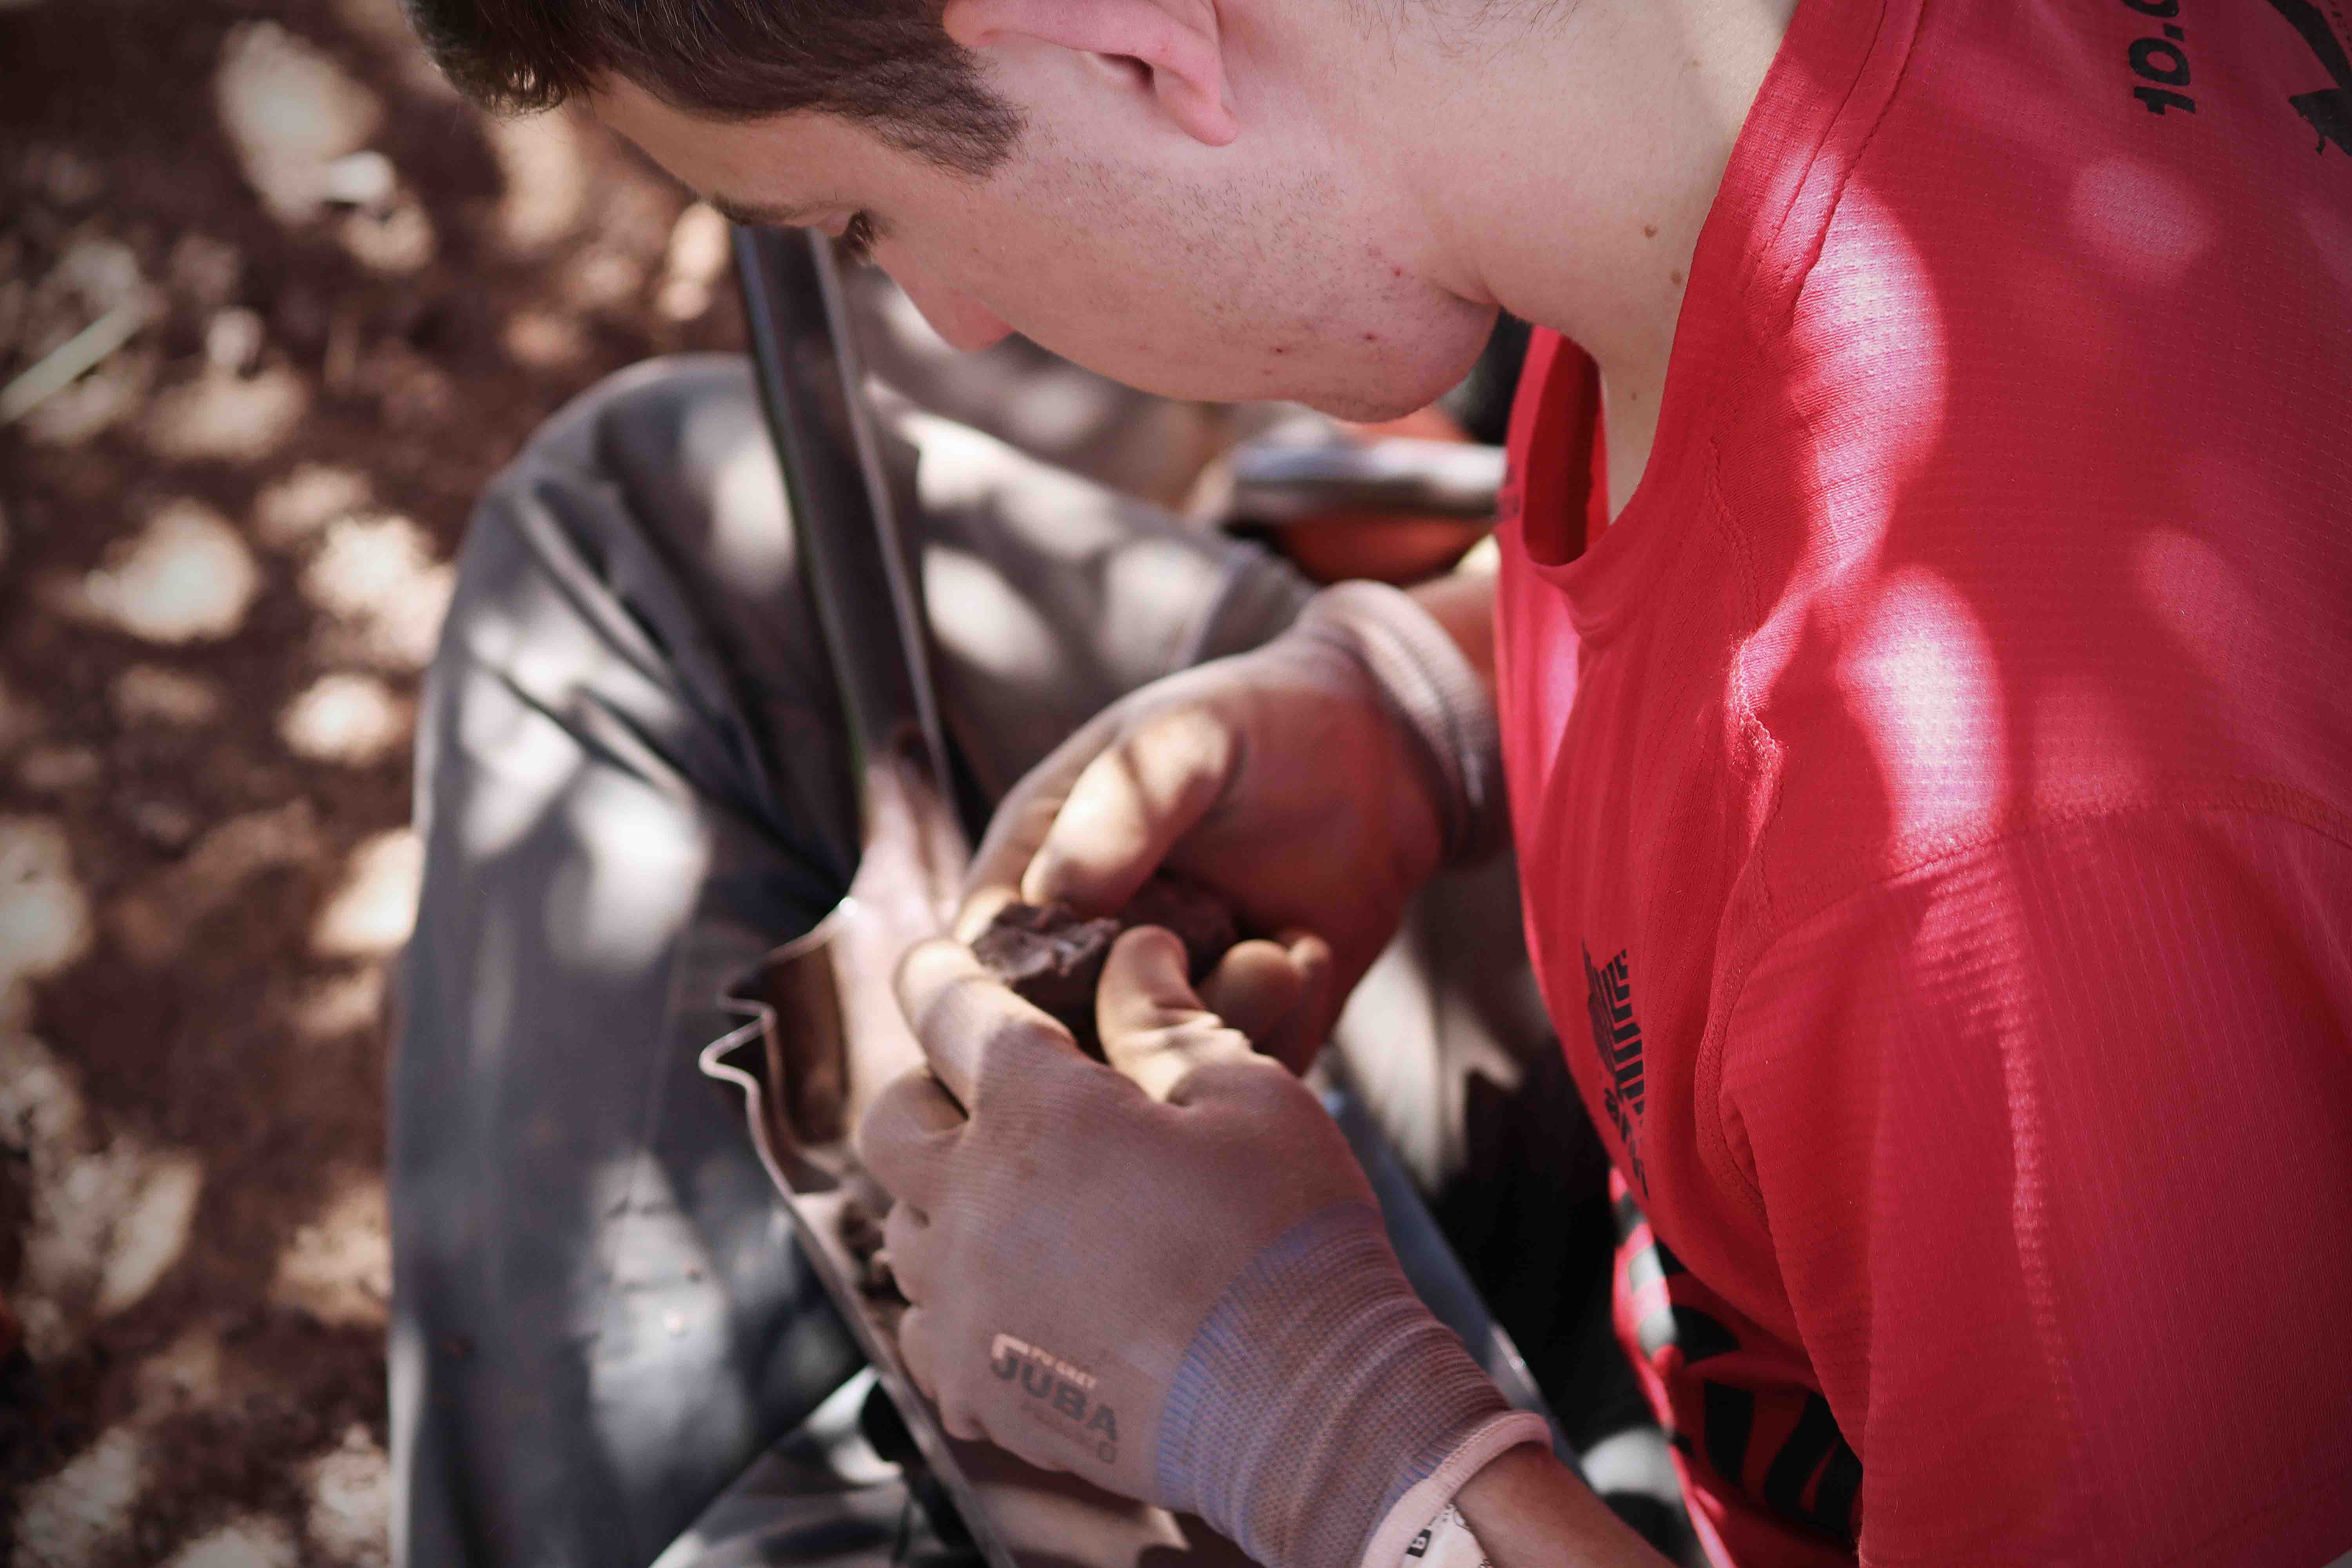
(529, 759)
(1919, 676)
(663, 1321)
(753, 538)
(1873, 314)
(992, 626)
(2079, 726)
(2143, 221)
(2197, 592)
(637, 865)
(1060, 517)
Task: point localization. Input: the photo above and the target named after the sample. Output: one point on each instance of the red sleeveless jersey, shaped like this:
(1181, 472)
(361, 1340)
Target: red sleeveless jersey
(1934, 792)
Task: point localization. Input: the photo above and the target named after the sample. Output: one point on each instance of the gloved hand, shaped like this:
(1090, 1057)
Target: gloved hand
(1316, 783)
(1167, 1275)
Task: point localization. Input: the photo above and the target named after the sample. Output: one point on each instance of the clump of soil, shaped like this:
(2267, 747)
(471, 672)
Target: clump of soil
(1053, 956)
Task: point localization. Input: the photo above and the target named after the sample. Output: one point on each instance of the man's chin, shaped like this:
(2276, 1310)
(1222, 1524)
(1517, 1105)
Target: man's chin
(1356, 406)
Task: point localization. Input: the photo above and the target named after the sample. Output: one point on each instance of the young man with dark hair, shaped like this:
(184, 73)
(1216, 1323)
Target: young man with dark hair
(1917, 661)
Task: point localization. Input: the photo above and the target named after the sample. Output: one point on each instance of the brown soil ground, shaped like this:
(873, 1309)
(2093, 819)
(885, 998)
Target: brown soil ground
(192, 1056)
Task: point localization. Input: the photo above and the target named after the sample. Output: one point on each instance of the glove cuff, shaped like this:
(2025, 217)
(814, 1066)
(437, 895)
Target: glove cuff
(1426, 682)
(1319, 1396)
(1426, 1498)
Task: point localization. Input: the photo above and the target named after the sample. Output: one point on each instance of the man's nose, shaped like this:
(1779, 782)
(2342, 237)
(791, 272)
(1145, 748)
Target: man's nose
(962, 320)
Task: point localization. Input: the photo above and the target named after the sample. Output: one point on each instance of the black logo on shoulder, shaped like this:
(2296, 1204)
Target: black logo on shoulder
(2328, 110)
(1617, 1037)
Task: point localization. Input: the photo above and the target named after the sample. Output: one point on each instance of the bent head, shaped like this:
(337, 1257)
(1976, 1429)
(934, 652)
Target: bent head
(1174, 193)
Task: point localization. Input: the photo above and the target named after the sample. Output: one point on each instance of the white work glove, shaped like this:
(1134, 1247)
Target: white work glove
(1316, 783)
(1167, 1275)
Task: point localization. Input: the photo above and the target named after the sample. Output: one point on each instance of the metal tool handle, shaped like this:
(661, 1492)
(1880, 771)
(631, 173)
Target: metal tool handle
(854, 555)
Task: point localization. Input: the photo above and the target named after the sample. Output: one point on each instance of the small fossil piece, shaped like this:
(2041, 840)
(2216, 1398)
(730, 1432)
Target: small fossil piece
(1053, 956)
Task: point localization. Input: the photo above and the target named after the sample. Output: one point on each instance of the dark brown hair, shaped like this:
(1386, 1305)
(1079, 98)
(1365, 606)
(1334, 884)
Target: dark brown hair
(885, 64)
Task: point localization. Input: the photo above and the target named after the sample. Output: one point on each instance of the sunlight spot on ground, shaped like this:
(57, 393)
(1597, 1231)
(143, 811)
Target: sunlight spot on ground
(19, 719)
(350, 1497)
(81, 1514)
(186, 576)
(151, 1231)
(373, 909)
(392, 236)
(546, 172)
(691, 268)
(103, 1225)
(338, 1005)
(156, 694)
(298, 507)
(152, 921)
(378, 577)
(233, 339)
(344, 718)
(257, 1540)
(97, 402)
(542, 340)
(224, 415)
(289, 110)
(54, 770)
(601, 279)
(183, 1375)
(204, 269)
(95, 280)
(44, 912)
(338, 1268)
(384, 24)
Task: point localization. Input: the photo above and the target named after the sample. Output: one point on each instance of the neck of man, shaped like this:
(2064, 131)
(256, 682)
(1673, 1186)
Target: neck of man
(1564, 163)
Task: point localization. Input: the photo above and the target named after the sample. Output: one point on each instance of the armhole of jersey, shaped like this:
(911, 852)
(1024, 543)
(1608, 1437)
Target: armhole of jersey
(1552, 487)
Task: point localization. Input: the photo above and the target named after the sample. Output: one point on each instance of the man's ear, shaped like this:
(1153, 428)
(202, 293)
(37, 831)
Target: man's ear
(1177, 41)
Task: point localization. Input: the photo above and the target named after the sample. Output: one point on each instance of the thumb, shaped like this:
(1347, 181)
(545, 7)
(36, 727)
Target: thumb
(1129, 806)
(1154, 1029)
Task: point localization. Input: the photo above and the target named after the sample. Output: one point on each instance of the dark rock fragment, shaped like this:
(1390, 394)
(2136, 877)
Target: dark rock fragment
(1053, 956)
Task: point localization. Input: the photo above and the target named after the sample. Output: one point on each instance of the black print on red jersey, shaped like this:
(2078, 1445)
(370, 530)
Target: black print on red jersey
(2328, 110)
(1809, 1476)
(1609, 1001)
